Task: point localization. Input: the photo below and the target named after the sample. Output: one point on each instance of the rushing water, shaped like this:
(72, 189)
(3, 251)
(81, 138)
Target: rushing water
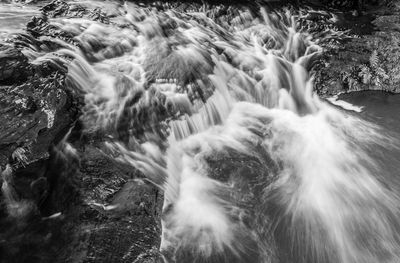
(219, 112)
(13, 18)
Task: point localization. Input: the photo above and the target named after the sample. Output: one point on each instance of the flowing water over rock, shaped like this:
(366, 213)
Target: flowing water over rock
(13, 18)
(219, 112)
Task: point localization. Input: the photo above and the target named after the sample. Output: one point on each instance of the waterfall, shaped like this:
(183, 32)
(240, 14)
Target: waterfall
(220, 113)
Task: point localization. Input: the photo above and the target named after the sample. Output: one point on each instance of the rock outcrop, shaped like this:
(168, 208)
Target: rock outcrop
(56, 206)
(37, 110)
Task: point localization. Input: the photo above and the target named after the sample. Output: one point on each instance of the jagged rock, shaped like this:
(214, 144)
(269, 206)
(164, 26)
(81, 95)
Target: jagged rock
(41, 34)
(34, 115)
(59, 8)
(39, 26)
(13, 65)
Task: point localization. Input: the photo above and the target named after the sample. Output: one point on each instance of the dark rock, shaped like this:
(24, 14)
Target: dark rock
(37, 109)
(34, 236)
(117, 220)
(35, 115)
(59, 8)
(40, 26)
(62, 203)
(14, 65)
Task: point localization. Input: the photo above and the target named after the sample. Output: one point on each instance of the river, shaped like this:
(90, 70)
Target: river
(220, 114)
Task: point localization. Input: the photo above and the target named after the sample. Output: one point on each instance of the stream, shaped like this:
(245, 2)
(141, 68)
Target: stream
(219, 113)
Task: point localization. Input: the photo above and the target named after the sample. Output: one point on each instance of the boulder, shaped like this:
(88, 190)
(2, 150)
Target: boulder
(35, 115)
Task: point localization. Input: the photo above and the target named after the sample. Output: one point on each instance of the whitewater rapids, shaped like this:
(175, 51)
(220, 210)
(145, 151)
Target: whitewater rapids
(219, 112)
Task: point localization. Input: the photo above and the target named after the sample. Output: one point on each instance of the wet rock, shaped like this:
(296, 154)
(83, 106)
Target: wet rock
(75, 210)
(37, 109)
(13, 65)
(58, 8)
(35, 115)
(25, 1)
(39, 26)
(44, 36)
(162, 62)
(87, 210)
(35, 236)
(117, 220)
(21, 243)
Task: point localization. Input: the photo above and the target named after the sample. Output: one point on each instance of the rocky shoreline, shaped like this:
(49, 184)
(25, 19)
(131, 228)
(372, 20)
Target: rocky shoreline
(62, 200)
(368, 60)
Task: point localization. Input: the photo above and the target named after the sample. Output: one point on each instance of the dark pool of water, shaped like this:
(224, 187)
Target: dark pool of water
(380, 107)
(383, 109)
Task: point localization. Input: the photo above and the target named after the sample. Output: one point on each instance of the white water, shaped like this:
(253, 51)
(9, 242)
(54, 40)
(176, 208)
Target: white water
(344, 104)
(221, 115)
(13, 18)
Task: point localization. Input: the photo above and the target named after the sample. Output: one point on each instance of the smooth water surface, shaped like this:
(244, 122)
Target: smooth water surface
(379, 107)
(382, 109)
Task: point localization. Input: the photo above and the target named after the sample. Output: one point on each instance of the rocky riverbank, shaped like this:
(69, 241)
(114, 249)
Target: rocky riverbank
(62, 200)
(59, 204)
(369, 59)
